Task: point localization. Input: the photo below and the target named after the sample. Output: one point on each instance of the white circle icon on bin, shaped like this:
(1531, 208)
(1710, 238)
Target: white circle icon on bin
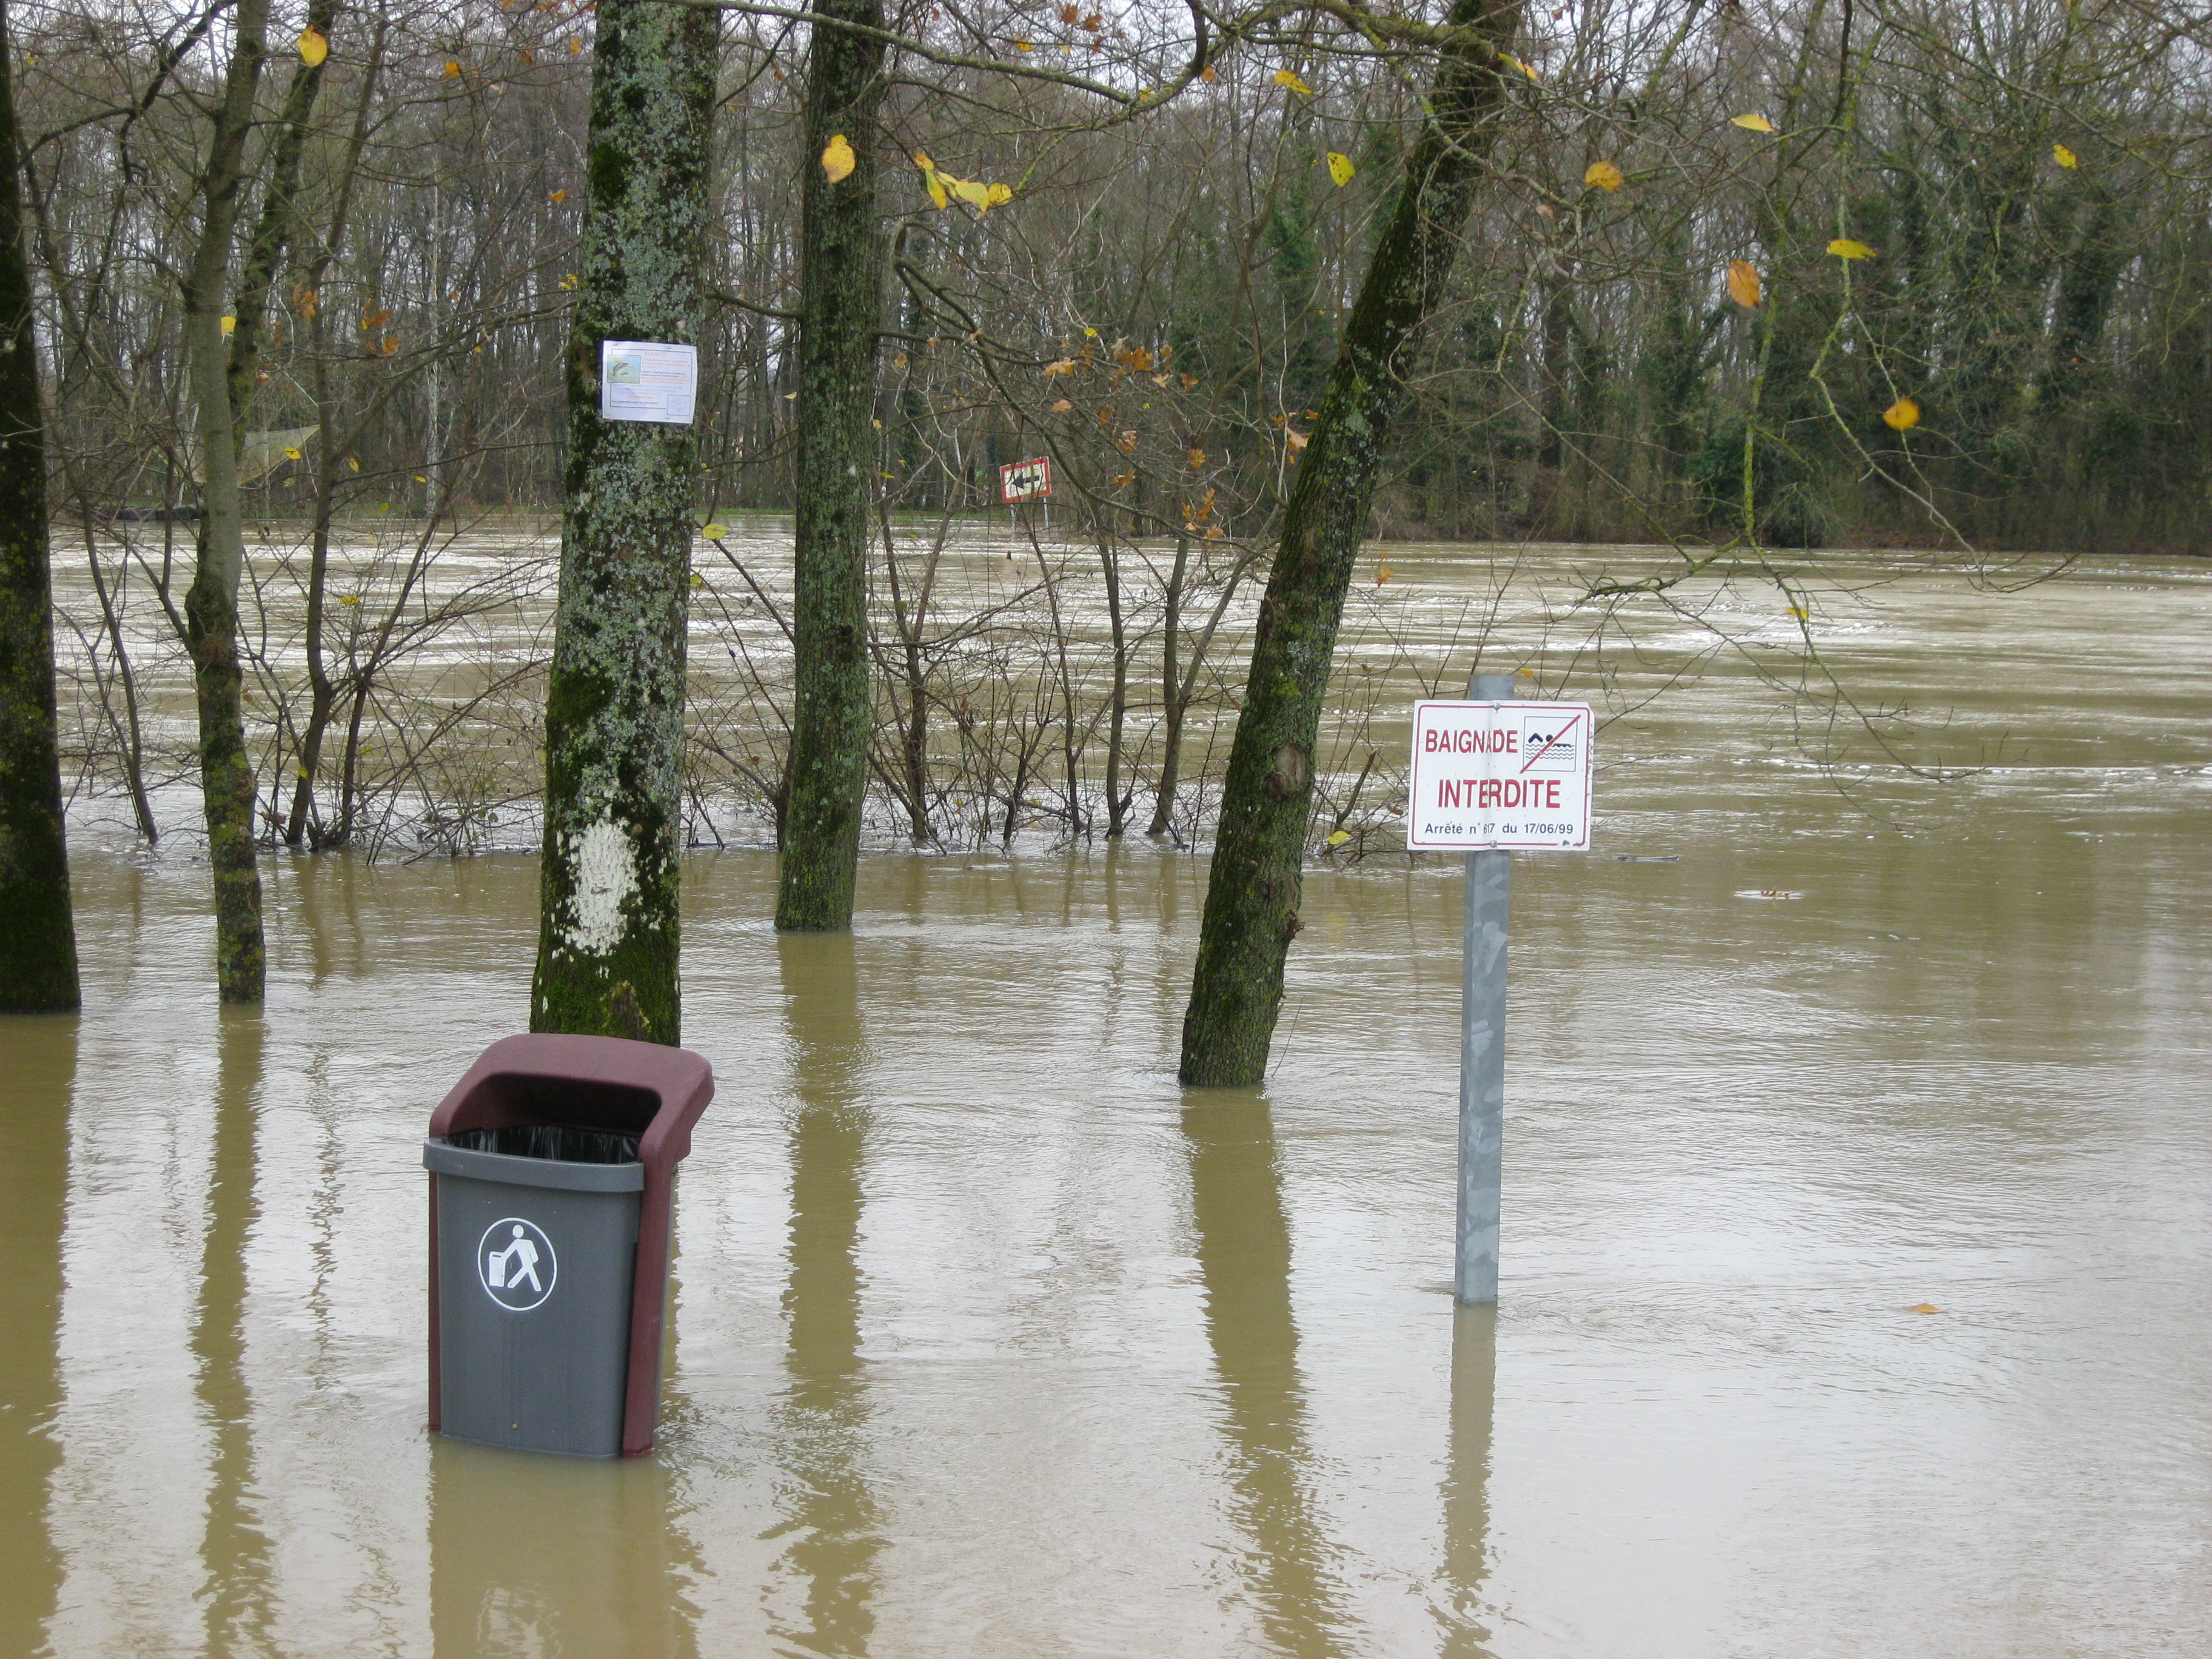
(515, 1263)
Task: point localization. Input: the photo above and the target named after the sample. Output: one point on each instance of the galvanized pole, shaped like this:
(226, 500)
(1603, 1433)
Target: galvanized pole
(1482, 1050)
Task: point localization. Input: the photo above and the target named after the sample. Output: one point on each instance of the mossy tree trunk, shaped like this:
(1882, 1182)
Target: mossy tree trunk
(224, 379)
(841, 299)
(211, 603)
(614, 711)
(1252, 895)
(38, 938)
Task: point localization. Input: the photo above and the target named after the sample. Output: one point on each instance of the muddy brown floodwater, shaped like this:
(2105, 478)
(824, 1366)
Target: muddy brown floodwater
(992, 1341)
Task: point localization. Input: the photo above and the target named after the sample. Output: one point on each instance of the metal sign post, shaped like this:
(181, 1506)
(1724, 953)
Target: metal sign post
(1491, 775)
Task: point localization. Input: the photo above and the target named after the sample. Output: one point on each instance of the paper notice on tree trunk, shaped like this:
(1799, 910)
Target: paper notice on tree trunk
(648, 380)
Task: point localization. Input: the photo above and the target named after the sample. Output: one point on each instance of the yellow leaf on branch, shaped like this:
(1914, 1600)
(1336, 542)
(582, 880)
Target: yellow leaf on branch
(1341, 168)
(314, 47)
(1902, 415)
(291, 452)
(1844, 248)
(1752, 123)
(229, 325)
(453, 70)
(1290, 78)
(1338, 837)
(1743, 283)
(1603, 175)
(837, 159)
(2065, 157)
(714, 532)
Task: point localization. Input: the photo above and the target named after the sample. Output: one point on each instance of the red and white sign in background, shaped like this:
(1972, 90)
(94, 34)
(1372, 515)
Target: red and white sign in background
(1505, 775)
(1025, 481)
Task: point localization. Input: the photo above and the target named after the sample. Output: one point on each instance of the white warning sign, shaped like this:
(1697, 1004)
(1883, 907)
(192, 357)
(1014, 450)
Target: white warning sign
(1500, 774)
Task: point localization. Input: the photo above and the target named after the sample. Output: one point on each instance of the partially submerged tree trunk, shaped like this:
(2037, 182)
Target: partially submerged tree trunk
(38, 941)
(614, 710)
(1252, 897)
(1172, 702)
(1117, 706)
(322, 689)
(910, 617)
(224, 379)
(211, 602)
(841, 301)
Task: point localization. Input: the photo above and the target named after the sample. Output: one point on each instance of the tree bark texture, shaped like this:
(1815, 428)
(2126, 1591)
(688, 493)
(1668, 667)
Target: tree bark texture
(1253, 893)
(227, 792)
(614, 712)
(840, 299)
(38, 937)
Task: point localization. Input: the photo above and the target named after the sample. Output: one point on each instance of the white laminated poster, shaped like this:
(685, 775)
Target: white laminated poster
(648, 380)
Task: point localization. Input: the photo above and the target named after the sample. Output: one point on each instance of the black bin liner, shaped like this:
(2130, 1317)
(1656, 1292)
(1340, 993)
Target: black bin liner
(557, 1142)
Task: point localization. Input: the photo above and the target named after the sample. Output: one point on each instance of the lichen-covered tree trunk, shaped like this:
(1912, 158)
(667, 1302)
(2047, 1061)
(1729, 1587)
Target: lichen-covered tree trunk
(211, 602)
(840, 299)
(614, 710)
(1253, 893)
(38, 937)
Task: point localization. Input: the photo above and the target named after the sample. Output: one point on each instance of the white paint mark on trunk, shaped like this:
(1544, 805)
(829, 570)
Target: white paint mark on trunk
(605, 863)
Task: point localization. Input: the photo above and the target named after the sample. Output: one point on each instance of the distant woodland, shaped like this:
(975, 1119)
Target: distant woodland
(1150, 293)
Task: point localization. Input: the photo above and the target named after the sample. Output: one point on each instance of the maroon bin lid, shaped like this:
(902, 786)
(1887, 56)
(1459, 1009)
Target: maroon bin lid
(642, 1088)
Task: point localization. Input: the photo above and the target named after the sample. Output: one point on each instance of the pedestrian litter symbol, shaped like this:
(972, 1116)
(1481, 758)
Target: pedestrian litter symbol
(515, 1263)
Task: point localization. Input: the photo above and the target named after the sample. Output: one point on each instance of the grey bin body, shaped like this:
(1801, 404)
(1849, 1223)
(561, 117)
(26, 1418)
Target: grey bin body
(536, 1264)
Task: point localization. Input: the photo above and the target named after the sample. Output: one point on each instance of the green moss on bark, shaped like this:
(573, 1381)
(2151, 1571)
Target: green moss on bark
(840, 299)
(38, 936)
(609, 927)
(1253, 893)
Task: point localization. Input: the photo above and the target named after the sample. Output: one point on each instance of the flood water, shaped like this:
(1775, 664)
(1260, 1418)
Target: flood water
(990, 1340)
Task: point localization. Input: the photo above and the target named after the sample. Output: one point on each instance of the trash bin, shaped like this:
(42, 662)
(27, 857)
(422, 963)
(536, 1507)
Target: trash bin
(552, 1187)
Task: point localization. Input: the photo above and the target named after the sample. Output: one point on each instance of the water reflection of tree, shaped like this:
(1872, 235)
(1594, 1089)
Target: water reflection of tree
(34, 1115)
(821, 1423)
(235, 1547)
(1245, 1258)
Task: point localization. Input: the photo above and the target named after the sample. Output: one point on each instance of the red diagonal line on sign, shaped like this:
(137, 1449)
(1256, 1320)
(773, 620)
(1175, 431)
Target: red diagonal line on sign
(1549, 741)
